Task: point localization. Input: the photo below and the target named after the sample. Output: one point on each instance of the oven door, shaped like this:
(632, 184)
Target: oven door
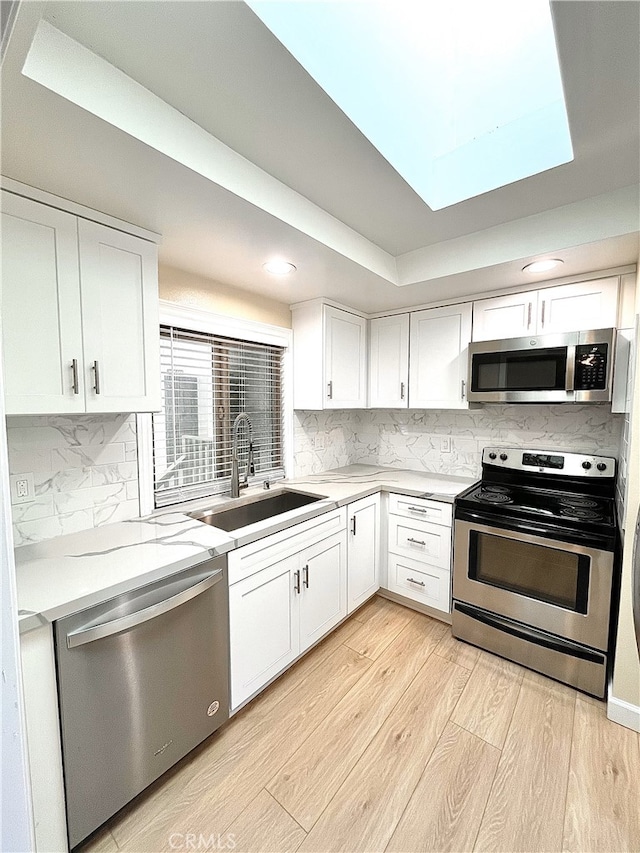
(561, 588)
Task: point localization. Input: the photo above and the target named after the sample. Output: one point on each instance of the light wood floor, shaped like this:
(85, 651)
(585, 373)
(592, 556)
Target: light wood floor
(391, 735)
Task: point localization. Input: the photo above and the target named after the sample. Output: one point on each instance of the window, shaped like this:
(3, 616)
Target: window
(207, 380)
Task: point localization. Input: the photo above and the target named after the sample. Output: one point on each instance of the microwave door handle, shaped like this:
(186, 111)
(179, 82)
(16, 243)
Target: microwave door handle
(571, 366)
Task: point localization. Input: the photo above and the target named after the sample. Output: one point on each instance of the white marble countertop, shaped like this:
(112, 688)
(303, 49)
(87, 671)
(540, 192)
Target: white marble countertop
(62, 575)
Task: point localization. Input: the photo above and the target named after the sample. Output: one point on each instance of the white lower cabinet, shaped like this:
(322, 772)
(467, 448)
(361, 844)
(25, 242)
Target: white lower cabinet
(262, 617)
(297, 593)
(419, 559)
(323, 588)
(363, 554)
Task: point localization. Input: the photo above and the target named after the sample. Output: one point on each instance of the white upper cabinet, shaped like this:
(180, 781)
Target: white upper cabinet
(119, 319)
(512, 316)
(329, 358)
(578, 307)
(389, 362)
(79, 314)
(567, 308)
(41, 320)
(438, 369)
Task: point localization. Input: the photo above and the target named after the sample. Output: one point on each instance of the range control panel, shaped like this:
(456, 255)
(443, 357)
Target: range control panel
(550, 462)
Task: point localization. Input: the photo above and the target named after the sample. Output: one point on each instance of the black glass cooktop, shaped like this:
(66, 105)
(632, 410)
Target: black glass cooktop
(539, 504)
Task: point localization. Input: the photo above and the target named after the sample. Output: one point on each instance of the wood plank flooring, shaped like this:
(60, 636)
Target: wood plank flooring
(392, 736)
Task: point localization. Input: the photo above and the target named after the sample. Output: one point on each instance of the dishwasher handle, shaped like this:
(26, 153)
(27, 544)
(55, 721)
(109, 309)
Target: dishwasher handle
(131, 620)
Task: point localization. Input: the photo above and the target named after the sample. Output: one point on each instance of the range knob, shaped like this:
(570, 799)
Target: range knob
(503, 456)
(586, 465)
(601, 466)
(492, 455)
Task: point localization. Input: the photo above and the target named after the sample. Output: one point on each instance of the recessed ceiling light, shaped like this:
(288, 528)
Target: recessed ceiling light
(278, 267)
(542, 266)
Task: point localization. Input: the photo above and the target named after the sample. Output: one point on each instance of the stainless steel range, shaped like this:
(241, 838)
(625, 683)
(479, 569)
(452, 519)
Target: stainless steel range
(535, 562)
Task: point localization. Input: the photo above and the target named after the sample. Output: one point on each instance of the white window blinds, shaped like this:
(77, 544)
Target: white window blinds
(207, 380)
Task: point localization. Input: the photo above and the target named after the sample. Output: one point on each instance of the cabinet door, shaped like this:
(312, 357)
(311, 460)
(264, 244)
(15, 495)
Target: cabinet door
(389, 362)
(439, 351)
(41, 325)
(119, 281)
(323, 595)
(263, 623)
(578, 307)
(345, 368)
(512, 316)
(363, 554)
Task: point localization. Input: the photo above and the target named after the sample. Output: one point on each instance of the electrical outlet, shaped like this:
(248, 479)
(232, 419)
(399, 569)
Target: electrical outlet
(22, 490)
(318, 442)
(445, 444)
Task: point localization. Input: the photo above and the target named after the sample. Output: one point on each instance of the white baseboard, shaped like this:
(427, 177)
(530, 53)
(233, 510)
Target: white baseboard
(623, 713)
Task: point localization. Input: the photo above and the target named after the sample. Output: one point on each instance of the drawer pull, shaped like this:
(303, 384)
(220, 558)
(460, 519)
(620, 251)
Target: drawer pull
(416, 541)
(416, 509)
(412, 580)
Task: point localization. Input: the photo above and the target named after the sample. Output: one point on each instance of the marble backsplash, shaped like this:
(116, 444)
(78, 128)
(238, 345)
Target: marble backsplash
(85, 471)
(412, 438)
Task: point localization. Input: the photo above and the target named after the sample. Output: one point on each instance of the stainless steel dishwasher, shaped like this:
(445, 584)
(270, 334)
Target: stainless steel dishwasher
(142, 680)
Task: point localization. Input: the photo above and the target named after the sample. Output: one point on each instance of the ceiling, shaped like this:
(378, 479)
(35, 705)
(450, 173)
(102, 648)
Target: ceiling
(210, 72)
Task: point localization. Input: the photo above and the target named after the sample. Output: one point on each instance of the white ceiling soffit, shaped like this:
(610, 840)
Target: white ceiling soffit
(72, 71)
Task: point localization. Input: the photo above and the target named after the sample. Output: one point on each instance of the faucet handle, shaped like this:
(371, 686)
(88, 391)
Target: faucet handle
(266, 484)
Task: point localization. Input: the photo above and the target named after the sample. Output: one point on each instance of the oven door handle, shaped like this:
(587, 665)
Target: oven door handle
(530, 635)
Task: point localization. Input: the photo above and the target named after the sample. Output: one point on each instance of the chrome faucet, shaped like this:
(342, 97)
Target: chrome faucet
(251, 469)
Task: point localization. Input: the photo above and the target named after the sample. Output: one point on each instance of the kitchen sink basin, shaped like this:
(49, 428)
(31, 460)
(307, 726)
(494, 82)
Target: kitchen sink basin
(256, 510)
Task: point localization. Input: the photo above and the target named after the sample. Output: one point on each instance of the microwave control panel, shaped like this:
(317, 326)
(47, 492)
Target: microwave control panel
(591, 367)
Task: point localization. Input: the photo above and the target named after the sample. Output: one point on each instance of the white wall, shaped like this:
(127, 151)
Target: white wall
(195, 291)
(624, 701)
(412, 438)
(17, 826)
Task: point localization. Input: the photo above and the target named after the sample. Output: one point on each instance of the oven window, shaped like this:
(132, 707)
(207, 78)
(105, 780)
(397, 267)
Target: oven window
(518, 370)
(537, 571)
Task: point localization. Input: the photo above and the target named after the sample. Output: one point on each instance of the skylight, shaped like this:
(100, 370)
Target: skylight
(460, 97)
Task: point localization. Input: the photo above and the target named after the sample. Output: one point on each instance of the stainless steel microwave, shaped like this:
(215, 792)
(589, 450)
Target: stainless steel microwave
(574, 367)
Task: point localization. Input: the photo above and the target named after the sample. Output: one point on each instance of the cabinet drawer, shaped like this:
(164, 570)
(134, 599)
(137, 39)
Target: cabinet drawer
(436, 512)
(428, 543)
(249, 559)
(420, 582)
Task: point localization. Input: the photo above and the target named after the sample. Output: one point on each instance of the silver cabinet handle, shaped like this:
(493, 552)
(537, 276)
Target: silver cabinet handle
(296, 583)
(542, 315)
(330, 389)
(416, 509)
(353, 525)
(412, 580)
(402, 390)
(529, 309)
(74, 376)
(416, 541)
(305, 576)
(96, 371)
(125, 623)
(462, 389)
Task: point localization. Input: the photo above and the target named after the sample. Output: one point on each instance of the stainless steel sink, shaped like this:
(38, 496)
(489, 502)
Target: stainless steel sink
(255, 510)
